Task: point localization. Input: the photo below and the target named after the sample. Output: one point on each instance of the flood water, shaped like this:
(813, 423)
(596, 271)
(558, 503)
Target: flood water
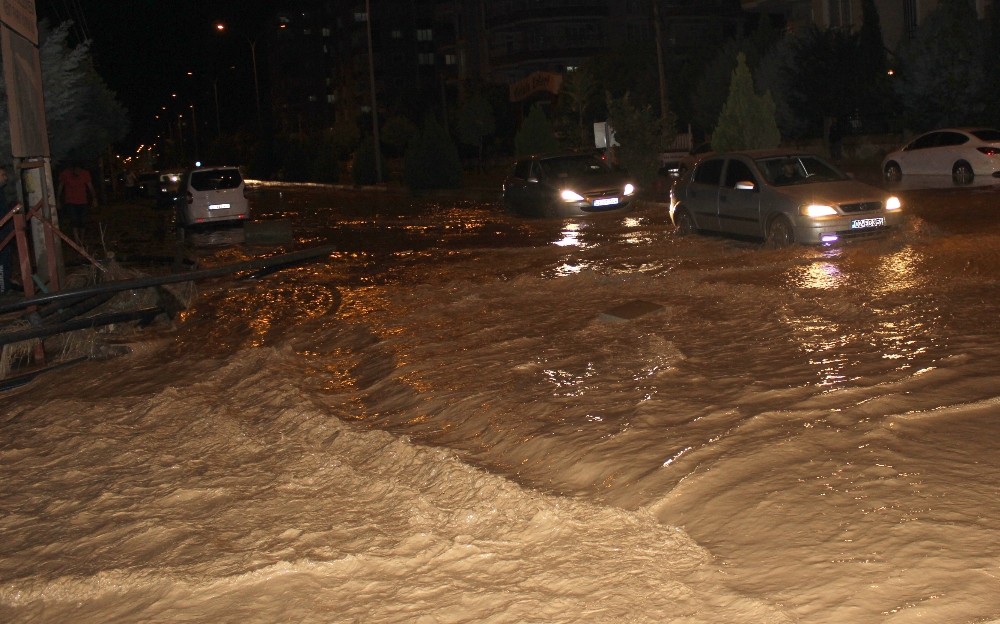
(451, 419)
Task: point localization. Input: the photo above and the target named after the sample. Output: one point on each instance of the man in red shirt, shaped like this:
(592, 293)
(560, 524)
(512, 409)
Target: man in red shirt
(76, 192)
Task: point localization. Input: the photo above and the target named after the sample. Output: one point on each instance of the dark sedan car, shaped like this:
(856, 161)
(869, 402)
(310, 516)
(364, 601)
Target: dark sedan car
(148, 184)
(566, 184)
(782, 197)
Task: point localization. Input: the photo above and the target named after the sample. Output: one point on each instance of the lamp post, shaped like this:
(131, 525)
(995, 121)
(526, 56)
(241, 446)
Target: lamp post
(371, 78)
(253, 58)
(215, 93)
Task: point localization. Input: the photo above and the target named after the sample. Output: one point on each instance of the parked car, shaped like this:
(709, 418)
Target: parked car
(691, 159)
(566, 184)
(170, 182)
(963, 153)
(781, 197)
(147, 184)
(210, 195)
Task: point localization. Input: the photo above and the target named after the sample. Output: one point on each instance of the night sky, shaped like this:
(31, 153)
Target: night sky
(144, 48)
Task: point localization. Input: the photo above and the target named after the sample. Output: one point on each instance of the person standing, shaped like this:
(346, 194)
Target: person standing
(130, 186)
(76, 192)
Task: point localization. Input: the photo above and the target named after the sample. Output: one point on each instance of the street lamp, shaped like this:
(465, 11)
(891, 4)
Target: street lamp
(215, 91)
(371, 80)
(253, 56)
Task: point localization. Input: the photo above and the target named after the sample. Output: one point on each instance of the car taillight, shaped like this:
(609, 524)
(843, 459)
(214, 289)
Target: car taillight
(990, 151)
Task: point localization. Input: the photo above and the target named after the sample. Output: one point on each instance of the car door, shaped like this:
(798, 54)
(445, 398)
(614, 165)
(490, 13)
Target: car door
(516, 185)
(919, 156)
(702, 196)
(538, 193)
(949, 151)
(739, 199)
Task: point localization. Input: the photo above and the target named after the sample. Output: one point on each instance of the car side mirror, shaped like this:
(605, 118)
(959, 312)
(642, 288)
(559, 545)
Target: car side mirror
(745, 185)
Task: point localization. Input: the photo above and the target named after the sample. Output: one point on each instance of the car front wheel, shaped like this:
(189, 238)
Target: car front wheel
(684, 222)
(962, 173)
(892, 173)
(779, 232)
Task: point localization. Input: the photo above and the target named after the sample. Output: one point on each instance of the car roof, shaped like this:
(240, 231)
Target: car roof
(966, 129)
(212, 167)
(560, 154)
(763, 153)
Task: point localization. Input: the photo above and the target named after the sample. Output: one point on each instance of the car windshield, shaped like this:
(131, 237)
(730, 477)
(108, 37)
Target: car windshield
(573, 166)
(799, 169)
(986, 135)
(215, 179)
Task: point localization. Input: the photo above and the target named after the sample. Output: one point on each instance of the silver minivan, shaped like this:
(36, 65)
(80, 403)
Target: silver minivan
(211, 195)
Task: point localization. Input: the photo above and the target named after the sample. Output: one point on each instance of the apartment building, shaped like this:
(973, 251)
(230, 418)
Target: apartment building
(899, 18)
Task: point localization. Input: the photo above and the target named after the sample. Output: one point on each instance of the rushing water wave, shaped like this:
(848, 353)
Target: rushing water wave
(448, 422)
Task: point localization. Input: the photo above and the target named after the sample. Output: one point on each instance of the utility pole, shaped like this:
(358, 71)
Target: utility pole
(664, 104)
(371, 78)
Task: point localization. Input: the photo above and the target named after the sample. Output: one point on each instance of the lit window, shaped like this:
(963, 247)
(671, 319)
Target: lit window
(425, 58)
(425, 34)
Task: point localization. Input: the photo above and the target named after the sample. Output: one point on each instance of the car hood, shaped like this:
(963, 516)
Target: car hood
(839, 191)
(593, 182)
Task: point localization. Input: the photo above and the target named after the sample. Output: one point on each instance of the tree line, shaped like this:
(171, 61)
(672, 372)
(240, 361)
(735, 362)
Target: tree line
(758, 90)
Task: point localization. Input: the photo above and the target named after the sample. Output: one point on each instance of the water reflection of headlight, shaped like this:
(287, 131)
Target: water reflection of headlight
(570, 236)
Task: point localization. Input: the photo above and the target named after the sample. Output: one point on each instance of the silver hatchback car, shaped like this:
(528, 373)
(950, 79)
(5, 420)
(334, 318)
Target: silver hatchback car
(782, 197)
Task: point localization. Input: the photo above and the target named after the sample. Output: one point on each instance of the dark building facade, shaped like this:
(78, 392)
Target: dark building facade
(427, 53)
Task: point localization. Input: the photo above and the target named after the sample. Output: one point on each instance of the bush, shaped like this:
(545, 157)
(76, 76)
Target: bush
(431, 159)
(536, 135)
(364, 171)
(642, 136)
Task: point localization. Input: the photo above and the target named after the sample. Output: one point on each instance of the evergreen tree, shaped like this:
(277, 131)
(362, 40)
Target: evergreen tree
(827, 81)
(396, 134)
(475, 122)
(710, 94)
(776, 74)
(712, 89)
(747, 120)
(536, 135)
(991, 90)
(431, 160)
(83, 116)
(873, 65)
(942, 73)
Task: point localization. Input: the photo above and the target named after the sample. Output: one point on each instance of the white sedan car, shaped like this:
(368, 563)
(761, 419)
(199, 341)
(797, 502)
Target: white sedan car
(963, 153)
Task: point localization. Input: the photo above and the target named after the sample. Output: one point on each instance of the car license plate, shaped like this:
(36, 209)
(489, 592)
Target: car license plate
(217, 206)
(867, 223)
(607, 201)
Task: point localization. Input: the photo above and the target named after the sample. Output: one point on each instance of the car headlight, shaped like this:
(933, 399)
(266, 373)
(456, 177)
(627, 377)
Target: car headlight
(817, 210)
(571, 196)
(893, 203)
(629, 189)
